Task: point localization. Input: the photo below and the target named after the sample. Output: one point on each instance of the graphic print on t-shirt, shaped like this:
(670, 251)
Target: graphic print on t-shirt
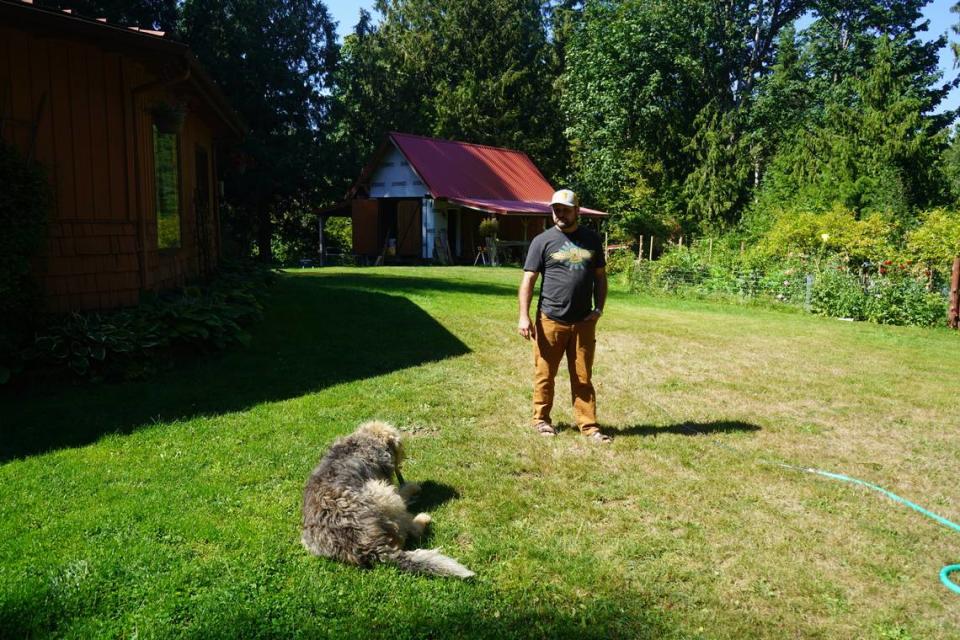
(573, 256)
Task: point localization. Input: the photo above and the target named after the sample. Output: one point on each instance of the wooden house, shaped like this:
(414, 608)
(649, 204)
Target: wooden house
(129, 128)
(419, 196)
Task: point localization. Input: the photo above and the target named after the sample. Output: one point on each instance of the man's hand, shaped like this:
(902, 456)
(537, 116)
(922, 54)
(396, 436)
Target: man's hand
(524, 328)
(525, 295)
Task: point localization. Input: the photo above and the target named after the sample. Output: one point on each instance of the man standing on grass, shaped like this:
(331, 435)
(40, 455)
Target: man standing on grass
(572, 294)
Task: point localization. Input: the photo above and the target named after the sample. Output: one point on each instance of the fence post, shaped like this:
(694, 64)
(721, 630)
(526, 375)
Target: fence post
(953, 315)
(640, 250)
(710, 252)
(651, 247)
(808, 294)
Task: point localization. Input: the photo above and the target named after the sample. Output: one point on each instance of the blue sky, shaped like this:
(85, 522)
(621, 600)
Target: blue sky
(346, 12)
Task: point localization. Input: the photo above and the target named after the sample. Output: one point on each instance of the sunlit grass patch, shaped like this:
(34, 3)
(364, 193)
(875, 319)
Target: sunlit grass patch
(171, 507)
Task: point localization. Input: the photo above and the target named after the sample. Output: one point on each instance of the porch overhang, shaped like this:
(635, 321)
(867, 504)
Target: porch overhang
(518, 207)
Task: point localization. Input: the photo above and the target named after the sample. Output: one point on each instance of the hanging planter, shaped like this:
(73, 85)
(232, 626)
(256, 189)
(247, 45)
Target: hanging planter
(168, 117)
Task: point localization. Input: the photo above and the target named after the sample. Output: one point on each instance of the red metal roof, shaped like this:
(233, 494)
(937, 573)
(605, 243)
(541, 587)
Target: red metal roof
(478, 176)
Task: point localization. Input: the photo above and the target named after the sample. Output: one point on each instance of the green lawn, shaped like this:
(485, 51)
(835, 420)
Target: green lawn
(171, 507)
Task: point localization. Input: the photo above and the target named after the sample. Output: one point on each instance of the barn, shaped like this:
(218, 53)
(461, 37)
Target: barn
(129, 128)
(423, 198)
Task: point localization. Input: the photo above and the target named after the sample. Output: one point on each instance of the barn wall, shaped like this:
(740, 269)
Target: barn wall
(395, 178)
(70, 105)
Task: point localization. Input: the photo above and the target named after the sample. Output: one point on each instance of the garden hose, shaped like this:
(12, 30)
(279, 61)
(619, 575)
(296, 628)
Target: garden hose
(944, 572)
(947, 570)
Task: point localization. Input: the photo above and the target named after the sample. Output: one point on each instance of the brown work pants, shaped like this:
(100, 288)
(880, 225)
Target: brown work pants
(577, 341)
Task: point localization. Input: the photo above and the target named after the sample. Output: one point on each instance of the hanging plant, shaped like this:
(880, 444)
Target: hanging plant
(168, 117)
(489, 228)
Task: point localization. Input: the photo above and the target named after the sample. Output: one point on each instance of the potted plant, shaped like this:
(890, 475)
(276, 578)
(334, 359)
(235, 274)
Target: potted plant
(489, 228)
(168, 117)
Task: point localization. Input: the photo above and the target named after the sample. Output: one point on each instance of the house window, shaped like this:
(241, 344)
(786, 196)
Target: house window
(166, 162)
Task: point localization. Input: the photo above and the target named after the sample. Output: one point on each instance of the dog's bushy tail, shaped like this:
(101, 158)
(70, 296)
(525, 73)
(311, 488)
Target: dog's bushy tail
(428, 561)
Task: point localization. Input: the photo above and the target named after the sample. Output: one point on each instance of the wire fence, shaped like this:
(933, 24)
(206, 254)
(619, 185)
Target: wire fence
(874, 293)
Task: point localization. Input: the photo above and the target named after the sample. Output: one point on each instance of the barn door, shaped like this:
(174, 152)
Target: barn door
(408, 228)
(364, 216)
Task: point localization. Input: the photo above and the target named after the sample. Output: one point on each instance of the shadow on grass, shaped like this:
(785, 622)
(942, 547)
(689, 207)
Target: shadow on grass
(410, 282)
(686, 428)
(315, 333)
(433, 495)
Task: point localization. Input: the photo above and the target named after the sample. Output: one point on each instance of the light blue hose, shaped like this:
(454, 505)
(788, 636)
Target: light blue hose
(944, 573)
(947, 570)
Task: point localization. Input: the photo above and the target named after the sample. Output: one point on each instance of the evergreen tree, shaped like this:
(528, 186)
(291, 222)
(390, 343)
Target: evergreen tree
(274, 60)
(149, 14)
(475, 70)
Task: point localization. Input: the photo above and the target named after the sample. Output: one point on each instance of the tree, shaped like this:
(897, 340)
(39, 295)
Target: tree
(874, 150)
(475, 70)
(274, 60)
(151, 14)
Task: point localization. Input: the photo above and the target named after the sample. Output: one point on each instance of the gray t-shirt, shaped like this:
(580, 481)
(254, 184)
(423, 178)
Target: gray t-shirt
(567, 263)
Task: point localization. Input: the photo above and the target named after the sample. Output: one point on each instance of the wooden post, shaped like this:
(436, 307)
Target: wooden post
(741, 247)
(681, 242)
(651, 247)
(640, 250)
(710, 252)
(953, 315)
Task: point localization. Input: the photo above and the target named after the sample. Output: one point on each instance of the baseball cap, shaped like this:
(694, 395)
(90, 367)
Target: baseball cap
(565, 197)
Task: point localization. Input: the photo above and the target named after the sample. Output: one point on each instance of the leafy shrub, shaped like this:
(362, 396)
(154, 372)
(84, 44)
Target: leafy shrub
(898, 300)
(25, 202)
(489, 228)
(836, 232)
(904, 301)
(131, 343)
(838, 294)
(937, 240)
(620, 261)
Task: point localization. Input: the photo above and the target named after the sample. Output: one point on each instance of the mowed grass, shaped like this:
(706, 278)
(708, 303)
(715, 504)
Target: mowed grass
(170, 508)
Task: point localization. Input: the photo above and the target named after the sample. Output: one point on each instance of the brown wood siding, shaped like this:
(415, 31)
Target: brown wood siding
(365, 215)
(408, 228)
(94, 137)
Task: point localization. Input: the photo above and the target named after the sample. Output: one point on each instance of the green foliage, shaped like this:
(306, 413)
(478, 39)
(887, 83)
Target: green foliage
(721, 274)
(149, 14)
(833, 232)
(840, 295)
(886, 293)
(870, 148)
(132, 343)
(884, 300)
(25, 202)
(621, 261)
(338, 234)
(474, 70)
(489, 228)
(274, 60)
(936, 241)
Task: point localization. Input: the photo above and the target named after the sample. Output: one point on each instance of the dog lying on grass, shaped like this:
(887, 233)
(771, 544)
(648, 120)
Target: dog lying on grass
(354, 514)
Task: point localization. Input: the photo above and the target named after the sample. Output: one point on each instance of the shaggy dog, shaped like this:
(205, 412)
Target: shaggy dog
(354, 514)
